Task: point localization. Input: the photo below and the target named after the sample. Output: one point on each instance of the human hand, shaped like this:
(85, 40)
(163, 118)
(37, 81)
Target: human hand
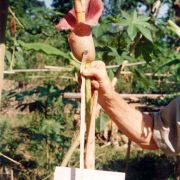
(99, 79)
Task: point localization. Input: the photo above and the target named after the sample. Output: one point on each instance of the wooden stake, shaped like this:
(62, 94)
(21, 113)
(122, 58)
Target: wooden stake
(83, 112)
(80, 7)
(90, 144)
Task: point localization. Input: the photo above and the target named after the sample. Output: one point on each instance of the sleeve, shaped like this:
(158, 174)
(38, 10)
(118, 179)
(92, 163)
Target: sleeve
(166, 131)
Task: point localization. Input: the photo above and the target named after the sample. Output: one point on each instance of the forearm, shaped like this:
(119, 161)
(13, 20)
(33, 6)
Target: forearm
(134, 124)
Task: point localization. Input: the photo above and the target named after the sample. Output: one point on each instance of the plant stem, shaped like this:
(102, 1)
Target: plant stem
(88, 99)
(80, 11)
(13, 54)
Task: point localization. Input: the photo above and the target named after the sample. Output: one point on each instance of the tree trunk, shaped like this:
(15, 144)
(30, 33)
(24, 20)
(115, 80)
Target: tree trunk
(2, 53)
(177, 168)
(176, 7)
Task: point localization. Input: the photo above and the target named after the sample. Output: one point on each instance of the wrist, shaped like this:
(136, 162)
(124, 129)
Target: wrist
(107, 95)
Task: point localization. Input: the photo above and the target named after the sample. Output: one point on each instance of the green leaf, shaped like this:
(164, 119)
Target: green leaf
(134, 17)
(8, 56)
(143, 18)
(123, 22)
(125, 15)
(170, 63)
(144, 24)
(146, 32)
(45, 48)
(97, 31)
(132, 31)
(19, 56)
(139, 75)
(101, 122)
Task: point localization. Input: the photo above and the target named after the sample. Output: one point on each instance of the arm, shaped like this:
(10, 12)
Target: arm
(137, 126)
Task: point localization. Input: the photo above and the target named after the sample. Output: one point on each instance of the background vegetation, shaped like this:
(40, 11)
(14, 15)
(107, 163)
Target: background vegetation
(37, 125)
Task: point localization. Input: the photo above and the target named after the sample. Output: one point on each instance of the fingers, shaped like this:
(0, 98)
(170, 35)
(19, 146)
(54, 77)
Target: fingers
(97, 70)
(95, 84)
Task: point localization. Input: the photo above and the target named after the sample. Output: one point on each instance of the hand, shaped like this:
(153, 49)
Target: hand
(100, 80)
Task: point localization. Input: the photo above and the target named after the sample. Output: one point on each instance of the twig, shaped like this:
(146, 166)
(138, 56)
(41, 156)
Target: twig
(118, 73)
(69, 153)
(147, 74)
(10, 159)
(58, 68)
(13, 54)
(14, 71)
(126, 65)
(62, 69)
(134, 44)
(49, 75)
(13, 14)
(69, 95)
(156, 7)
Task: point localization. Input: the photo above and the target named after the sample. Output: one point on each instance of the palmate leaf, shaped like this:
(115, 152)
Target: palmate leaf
(132, 31)
(143, 24)
(134, 17)
(146, 49)
(137, 24)
(126, 15)
(145, 31)
(45, 48)
(143, 18)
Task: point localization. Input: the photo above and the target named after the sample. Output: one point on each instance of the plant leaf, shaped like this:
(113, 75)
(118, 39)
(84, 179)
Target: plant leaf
(45, 48)
(101, 122)
(170, 63)
(145, 31)
(132, 31)
(143, 18)
(125, 15)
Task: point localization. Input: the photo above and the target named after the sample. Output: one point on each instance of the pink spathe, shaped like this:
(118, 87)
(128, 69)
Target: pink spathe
(94, 10)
